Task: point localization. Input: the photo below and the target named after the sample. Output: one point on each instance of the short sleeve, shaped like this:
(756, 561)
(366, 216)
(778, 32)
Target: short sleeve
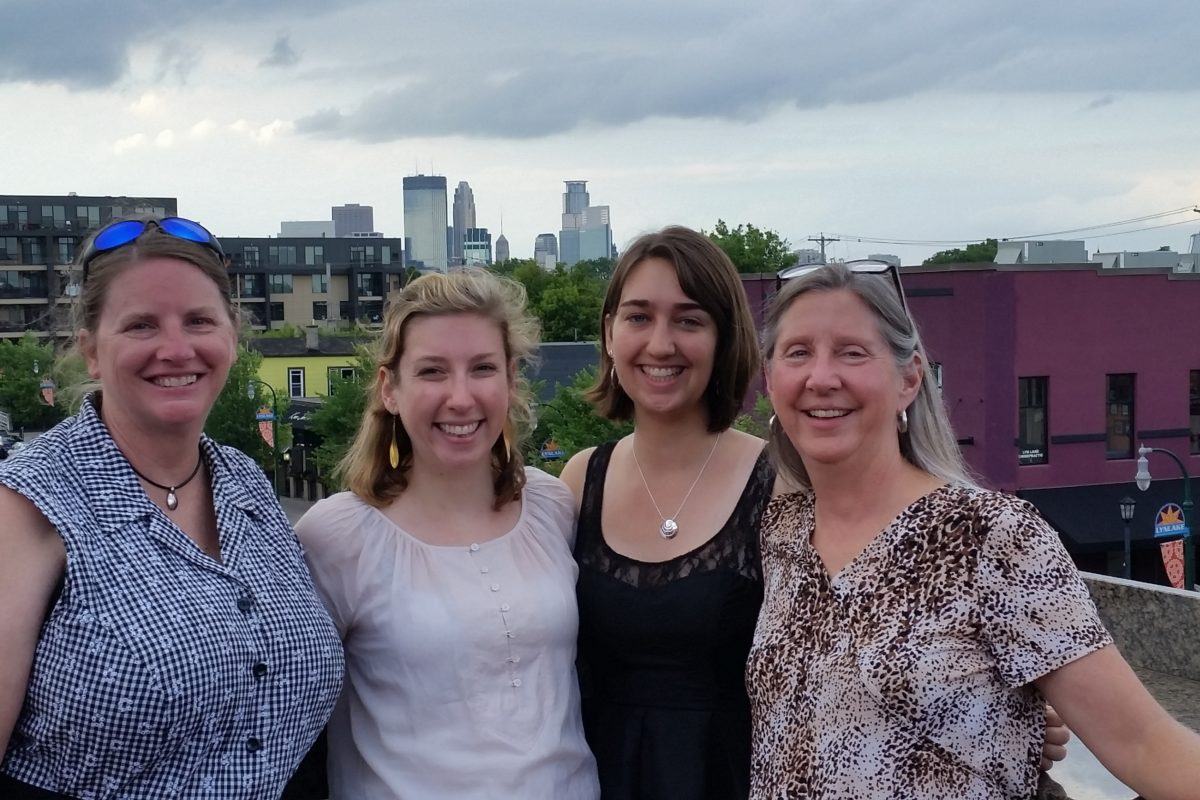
(332, 550)
(1036, 612)
(552, 501)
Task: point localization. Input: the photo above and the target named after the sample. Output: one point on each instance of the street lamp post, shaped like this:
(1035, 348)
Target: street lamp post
(1143, 482)
(1128, 505)
(252, 393)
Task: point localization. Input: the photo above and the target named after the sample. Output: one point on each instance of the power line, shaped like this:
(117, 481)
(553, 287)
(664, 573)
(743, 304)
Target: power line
(937, 242)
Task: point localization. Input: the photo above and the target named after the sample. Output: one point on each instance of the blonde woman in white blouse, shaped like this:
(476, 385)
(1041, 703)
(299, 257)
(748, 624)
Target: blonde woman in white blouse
(447, 567)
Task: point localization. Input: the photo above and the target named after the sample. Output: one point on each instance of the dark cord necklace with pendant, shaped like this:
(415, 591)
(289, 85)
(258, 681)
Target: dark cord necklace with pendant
(172, 498)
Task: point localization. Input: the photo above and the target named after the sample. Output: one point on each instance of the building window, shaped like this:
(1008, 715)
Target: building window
(256, 313)
(371, 312)
(369, 284)
(276, 312)
(250, 285)
(54, 216)
(1032, 405)
(320, 284)
(296, 382)
(9, 250)
(281, 254)
(320, 311)
(66, 250)
(87, 217)
(314, 255)
(1119, 416)
(1194, 408)
(251, 256)
(281, 283)
(345, 373)
(385, 256)
(31, 251)
(344, 309)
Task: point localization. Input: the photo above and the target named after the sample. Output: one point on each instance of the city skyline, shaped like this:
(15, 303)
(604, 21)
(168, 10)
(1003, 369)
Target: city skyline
(909, 121)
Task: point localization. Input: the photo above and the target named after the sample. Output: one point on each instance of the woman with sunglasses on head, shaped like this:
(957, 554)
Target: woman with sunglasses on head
(162, 637)
(912, 621)
(669, 585)
(447, 566)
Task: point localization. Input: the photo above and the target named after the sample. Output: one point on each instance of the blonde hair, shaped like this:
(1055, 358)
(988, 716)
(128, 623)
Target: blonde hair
(365, 469)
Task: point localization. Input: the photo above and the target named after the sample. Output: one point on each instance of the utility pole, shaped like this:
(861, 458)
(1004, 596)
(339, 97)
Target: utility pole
(823, 239)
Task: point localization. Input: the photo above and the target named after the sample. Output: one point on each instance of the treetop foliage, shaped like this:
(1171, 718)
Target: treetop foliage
(980, 251)
(752, 249)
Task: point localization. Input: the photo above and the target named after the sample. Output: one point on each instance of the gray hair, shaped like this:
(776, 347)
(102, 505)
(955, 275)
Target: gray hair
(930, 443)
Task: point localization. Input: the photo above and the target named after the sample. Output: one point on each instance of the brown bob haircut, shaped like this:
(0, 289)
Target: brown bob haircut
(708, 277)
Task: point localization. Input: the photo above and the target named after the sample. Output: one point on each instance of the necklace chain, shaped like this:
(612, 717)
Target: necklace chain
(670, 526)
(172, 498)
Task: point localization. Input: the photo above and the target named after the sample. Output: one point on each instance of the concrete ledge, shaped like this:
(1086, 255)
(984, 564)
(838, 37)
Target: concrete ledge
(1155, 627)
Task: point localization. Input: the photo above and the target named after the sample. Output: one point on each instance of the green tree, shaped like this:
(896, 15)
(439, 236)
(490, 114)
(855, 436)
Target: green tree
(572, 423)
(752, 249)
(232, 419)
(755, 421)
(24, 364)
(337, 419)
(980, 251)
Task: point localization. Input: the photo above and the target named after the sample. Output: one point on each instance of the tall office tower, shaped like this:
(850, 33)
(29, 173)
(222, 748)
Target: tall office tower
(545, 244)
(595, 234)
(1195, 247)
(425, 220)
(463, 218)
(501, 248)
(353, 218)
(575, 200)
(477, 247)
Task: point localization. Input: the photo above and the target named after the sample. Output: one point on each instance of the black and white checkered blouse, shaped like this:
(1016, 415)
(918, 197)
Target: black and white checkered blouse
(161, 672)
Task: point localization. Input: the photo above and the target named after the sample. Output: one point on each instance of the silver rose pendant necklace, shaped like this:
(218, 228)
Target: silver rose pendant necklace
(670, 527)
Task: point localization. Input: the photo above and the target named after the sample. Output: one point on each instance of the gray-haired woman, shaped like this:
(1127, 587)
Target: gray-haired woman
(912, 621)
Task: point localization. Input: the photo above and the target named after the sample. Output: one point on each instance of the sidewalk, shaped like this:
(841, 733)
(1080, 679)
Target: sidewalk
(295, 508)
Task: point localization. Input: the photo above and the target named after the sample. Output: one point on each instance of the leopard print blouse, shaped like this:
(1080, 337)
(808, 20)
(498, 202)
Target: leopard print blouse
(909, 674)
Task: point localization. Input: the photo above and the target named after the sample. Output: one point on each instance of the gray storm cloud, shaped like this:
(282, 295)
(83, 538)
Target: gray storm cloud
(525, 69)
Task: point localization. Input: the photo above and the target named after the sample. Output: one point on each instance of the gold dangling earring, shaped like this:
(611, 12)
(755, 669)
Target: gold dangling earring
(394, 449)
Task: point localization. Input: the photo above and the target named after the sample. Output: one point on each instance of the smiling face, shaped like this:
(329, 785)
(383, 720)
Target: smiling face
(162, 347)
(451, 389)
(661, 341)
(834, 382)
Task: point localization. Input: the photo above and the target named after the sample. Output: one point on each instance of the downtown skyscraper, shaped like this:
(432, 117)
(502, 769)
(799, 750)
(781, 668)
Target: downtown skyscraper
(586, 232)
(463, 216)
(425, 238)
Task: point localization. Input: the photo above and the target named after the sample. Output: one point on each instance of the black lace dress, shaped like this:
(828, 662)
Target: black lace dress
(663, 649)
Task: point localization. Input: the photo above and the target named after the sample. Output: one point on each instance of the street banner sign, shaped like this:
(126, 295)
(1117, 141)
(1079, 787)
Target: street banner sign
(1172, 556)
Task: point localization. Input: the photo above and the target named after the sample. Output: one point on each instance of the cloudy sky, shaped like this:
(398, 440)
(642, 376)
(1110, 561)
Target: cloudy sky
(911, 120)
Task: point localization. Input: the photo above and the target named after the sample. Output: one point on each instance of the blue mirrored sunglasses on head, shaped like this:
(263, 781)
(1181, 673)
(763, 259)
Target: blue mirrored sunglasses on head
(118, 234)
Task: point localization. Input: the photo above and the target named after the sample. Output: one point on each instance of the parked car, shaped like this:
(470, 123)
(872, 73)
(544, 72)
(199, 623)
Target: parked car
(10, 444)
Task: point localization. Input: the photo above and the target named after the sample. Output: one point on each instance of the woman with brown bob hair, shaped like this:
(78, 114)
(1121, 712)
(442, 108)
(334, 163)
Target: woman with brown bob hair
(447, 566)
(161, 634)
(667, 542)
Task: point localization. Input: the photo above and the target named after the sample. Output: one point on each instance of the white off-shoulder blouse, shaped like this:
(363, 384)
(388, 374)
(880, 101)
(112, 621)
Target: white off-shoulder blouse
(460, 661)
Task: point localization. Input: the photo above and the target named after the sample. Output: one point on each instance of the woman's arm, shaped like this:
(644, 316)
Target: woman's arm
(1106, 705)
(32, 559)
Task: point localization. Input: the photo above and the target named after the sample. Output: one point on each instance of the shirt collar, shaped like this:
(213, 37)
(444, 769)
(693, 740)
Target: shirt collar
(112, 487)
